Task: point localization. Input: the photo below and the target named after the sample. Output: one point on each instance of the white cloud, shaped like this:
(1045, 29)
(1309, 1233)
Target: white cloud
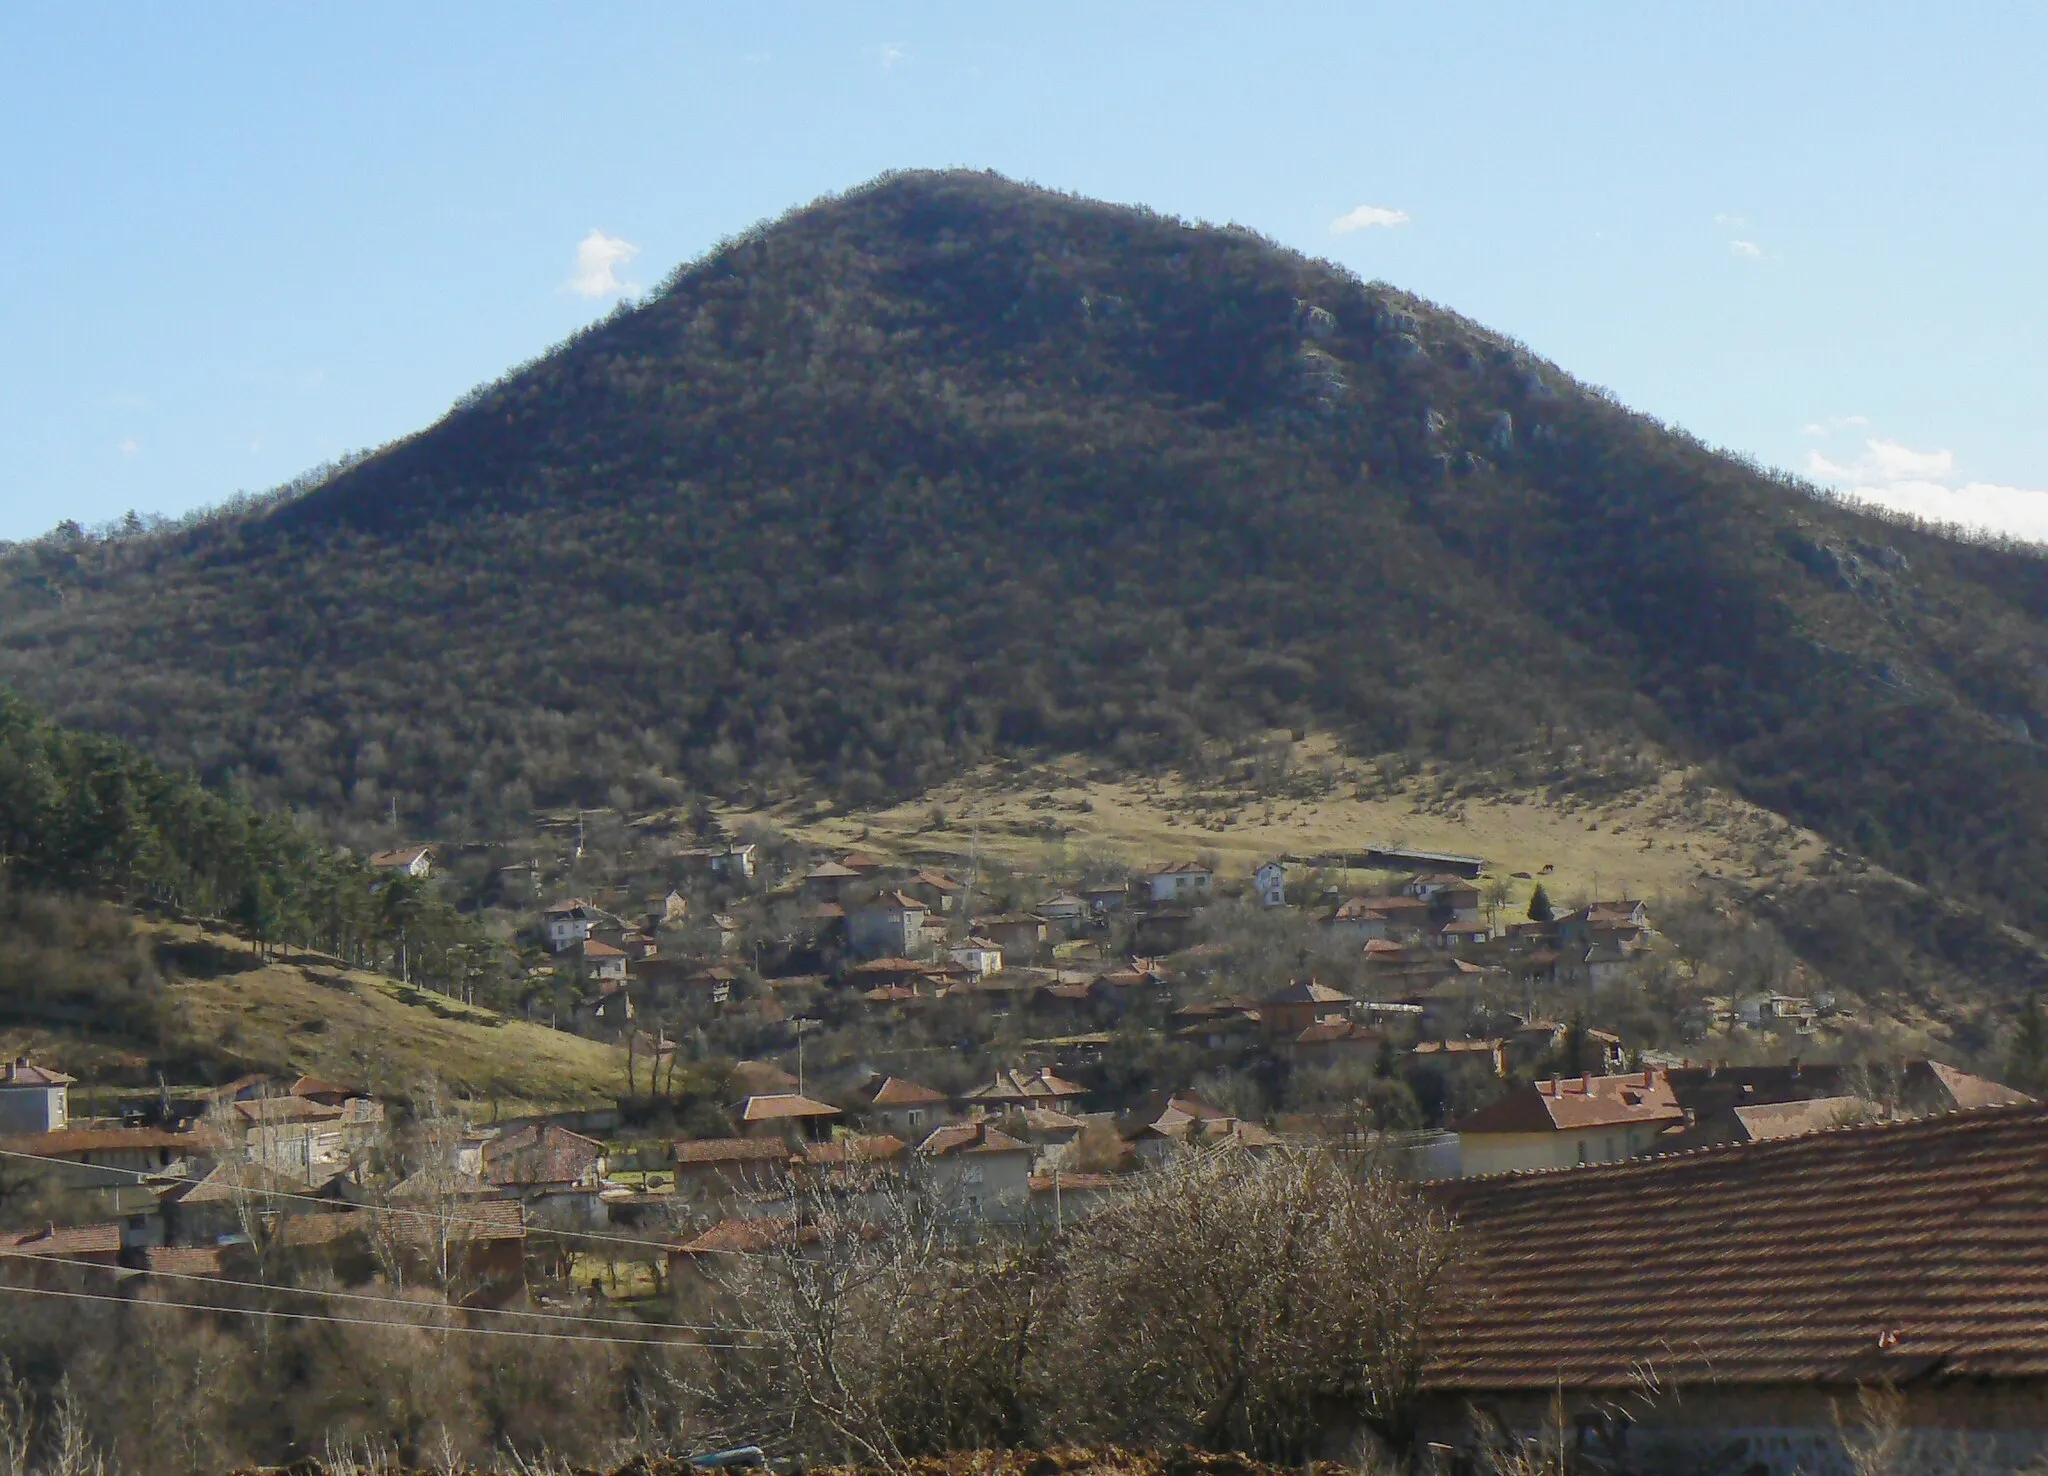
(1731, 222)
(128, 446)
(1834, 423)
(598, 259)
(1367, 216)
(1746, 248)
(1925, 483)
(889, 53)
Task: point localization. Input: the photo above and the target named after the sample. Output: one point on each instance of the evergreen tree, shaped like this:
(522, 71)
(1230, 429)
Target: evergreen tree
(2028, 1069)
(1540, 909)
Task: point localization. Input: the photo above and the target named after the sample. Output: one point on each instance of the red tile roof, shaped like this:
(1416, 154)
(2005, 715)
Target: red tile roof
(72, 1240)
(894, 1091)
(731, 1151)
(1307, 991)
(1855, 1255)
(183, 1260)
(969, 1137)
(67, 1141)
(541, 1153)
(859, 1148)
(22, 1074)
(782, 1106)
(1572, 1102)
(762, 1078)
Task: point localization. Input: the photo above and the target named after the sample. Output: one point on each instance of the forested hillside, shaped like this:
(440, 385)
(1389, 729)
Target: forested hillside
(85, 816)
(951, 466)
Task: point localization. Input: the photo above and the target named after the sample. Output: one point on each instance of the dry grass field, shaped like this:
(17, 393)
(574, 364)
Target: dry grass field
(307, 1014)
(1654, 839)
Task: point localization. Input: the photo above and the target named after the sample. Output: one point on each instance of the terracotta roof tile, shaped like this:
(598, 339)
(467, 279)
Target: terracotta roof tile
(732, 1150)
(781, 1106)
(54, 1240)
(1849, 1255)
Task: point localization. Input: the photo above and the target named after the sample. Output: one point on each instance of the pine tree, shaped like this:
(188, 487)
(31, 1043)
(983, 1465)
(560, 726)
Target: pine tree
(1540, 909)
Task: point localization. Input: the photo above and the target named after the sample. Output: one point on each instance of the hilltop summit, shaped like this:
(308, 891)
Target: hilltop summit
(950, 466)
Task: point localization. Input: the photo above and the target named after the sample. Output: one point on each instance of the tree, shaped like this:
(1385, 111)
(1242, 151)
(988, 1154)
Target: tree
(2028, 1068)
(1540, 909)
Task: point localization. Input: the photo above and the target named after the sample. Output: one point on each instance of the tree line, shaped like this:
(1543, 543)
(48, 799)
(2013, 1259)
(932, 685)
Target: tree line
(87, 814)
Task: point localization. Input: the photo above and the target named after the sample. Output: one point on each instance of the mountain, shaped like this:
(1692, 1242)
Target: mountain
(949, 467)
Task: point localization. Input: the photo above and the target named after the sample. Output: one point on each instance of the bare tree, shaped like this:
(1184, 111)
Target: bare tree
(1236, 1302)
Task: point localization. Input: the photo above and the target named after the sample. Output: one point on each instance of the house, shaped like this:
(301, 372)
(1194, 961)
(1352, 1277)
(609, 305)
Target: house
(1359, 920)
(1463, 933)
(1758, 1122)
(1911, 1088)
(1065, 909)
(1721, 1309)
(730, 1165)
(982, 1169)
(1269, 883)
(1163, 930)
(1018, 934)
(1332, 1040)
(666, 909)
(612, 1004)
(1016, 1089)
(568, 924)
(305, 1136)
(1458, 1068)
(107, 1157)
(542, 1156)
(828, 881)
(412, 861)
(1180, 881)
(1106, 897)
(1186, 1121)
(786, 1115)
(1429, 884)
(1625, 916)
(733, 862)
(904, 1108)
(99, 1245)
(1217, 1025)
(1302, 1003)
(893, 923)
(33, 1099)
(1560, 1122)
(763, 1079)
(979, 956)
(1058, 1197)
(601, 961)
(1045, 1128)
(936, 889)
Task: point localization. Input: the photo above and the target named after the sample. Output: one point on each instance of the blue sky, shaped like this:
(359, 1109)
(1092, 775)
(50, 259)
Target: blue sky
(239, 240)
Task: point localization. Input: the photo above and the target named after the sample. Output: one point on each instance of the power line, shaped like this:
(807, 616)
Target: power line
(315, 1291)
(483, 1332)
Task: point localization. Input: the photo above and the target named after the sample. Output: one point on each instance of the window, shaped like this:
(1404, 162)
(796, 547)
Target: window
(915, 1116)
(973, 1174)
(1610, 1149)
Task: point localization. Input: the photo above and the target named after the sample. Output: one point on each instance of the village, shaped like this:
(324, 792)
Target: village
(827, 1052)
(795, 1023)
